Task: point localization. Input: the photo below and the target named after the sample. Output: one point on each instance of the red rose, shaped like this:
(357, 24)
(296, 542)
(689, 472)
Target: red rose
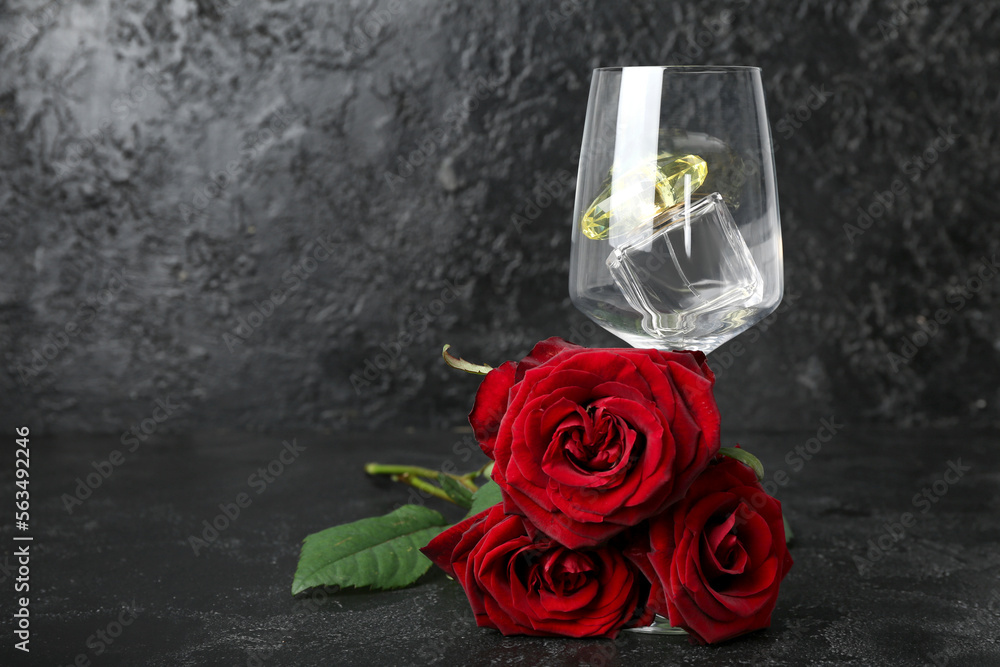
(716, 558)
(590, 441)
(522, 583)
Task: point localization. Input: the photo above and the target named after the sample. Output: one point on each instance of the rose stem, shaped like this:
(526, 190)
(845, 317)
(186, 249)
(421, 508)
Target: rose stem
(419, 483)
(418, 471)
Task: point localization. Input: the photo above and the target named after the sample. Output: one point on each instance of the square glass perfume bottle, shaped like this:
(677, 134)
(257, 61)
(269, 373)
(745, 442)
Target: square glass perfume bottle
(689, 273)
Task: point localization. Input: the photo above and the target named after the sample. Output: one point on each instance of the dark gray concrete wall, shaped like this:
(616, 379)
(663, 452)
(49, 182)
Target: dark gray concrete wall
(167, 170)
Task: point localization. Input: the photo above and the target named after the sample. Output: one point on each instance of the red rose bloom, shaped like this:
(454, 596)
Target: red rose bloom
(522, 583)
(716, 558)
(590, 441)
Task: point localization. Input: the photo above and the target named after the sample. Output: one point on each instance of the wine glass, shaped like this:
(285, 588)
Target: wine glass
(676, 240)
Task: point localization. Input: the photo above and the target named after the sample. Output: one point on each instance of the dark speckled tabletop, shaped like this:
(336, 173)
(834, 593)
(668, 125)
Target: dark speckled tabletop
(897, 557)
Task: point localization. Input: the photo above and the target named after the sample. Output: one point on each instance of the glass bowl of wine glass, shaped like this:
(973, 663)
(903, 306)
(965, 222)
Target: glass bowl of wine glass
(676, 239)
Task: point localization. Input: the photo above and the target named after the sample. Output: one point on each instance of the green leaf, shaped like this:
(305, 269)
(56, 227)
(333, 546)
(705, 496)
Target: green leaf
(743, 456)
(486, 497)
(789, 534)
(459, 494)
(463, 365)
(380, 552)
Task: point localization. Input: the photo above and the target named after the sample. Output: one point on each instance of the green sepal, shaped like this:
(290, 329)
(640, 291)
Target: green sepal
(743, 456)
(789, 534)
(486, 497)
(463, 365)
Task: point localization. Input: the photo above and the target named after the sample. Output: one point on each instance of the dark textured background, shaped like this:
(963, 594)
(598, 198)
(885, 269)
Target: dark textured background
(409, 134)
(929, 599)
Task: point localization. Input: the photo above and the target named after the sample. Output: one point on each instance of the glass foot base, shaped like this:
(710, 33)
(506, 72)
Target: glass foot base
(660, 626)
